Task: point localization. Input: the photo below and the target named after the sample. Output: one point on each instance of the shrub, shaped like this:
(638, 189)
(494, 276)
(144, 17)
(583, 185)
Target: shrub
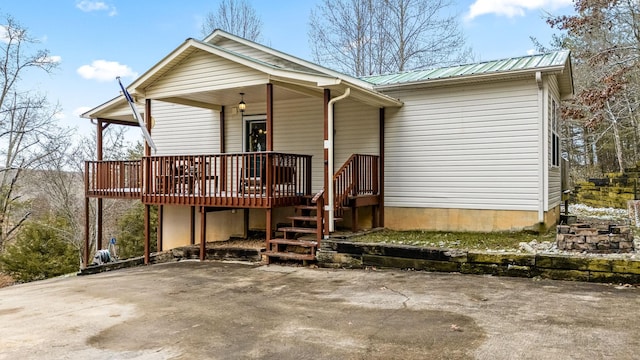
(130, 238)
(39, 252)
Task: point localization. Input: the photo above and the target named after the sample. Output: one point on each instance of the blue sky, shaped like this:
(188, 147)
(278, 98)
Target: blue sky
(97, 40)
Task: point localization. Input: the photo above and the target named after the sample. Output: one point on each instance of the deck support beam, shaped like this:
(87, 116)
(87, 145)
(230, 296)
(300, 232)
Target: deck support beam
(203, 230)
(147, 234)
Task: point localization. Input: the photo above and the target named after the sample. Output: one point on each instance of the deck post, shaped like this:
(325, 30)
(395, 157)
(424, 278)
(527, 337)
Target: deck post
(192, 239)
(159, 230)
(86, 231)
(327, 177)
(269, 227)
(147, 234)
(203, 228)
(380, 212)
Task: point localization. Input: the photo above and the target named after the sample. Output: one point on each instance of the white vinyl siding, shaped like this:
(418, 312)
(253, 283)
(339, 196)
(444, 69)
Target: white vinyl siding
(470, 147)
(299, 129)
(184, 130)
(357, 129)
(202, 71)
(554, 183)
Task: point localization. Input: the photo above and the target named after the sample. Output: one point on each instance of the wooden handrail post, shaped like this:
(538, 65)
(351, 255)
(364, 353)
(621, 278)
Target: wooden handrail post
(269, 175)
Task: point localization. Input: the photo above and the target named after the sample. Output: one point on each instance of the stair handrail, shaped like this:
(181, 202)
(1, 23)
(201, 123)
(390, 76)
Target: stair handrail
(348, 180)
(318, 199)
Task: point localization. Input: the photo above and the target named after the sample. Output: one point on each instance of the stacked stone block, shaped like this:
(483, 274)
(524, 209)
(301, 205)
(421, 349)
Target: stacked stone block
(584, 238)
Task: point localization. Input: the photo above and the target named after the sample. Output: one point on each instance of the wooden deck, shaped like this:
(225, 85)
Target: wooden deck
(241, 180)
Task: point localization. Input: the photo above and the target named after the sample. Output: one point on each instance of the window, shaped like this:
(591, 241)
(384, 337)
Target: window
(555, 130)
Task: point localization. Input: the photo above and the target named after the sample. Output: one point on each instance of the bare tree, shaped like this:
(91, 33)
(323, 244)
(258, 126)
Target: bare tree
(236, 17)
(604, 37)
(28, 131)
(365, 37)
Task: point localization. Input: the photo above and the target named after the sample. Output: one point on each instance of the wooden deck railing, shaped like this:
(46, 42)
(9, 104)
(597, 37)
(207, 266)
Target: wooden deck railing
(113, 179)
(260, 179)
(357, 177)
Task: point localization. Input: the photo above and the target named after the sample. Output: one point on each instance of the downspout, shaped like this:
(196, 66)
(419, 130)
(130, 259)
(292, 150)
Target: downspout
(541, 147)
(329, 147)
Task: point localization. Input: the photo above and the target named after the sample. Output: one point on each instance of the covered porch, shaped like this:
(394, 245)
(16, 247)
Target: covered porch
(212, 154)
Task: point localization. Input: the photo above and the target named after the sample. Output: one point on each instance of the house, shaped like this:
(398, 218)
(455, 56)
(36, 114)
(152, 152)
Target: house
(252, 138)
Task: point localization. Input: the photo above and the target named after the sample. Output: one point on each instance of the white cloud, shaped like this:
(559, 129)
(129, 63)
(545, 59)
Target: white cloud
(81, 110)
(89, 6)
(512, 8)
(59, 115)
(103, 70)
(531, 52)
(4, 34)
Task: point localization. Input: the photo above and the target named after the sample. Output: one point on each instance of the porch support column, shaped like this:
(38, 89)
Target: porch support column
(327, 97)
(269, 117)
(222, 131)
(99, 205)
(159, 230)
(380, 222)
(86, 231)
(203, 232)
(147, 233)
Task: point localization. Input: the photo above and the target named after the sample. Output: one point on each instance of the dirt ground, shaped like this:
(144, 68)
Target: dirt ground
(215, 310)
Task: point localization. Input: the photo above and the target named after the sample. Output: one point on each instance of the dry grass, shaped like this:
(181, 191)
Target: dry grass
(456, 240)
(5, 280)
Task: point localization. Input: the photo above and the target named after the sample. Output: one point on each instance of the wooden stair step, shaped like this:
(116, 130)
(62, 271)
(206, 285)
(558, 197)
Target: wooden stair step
(290, 256)
(304, 243)
(303, 218)
(304, 230)
(306, 207)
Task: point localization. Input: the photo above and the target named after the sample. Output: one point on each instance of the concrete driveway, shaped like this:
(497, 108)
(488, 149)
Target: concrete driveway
(213, 310)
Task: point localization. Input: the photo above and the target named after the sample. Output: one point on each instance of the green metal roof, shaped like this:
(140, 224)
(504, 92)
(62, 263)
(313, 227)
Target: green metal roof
(531, 62)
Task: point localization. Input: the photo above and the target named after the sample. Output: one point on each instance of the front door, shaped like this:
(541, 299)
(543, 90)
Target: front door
(255, 135)
(255, 140)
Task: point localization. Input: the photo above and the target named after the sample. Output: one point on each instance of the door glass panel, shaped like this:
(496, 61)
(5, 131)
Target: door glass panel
(256, 136)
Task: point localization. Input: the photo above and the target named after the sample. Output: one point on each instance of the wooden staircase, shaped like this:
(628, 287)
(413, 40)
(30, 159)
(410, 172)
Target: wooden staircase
(301, 240)
(355, 185)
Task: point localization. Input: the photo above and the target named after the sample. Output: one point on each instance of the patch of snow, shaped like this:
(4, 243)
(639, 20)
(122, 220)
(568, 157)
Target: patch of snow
(599, 213)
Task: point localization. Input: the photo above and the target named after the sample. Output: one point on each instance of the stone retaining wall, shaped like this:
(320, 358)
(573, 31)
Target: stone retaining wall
(583, 237)
(345, 254)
